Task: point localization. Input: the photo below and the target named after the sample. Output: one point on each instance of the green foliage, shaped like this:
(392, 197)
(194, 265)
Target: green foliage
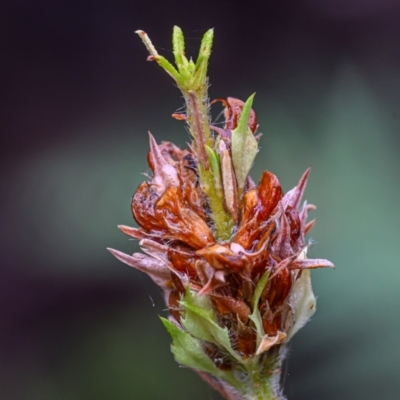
(187, 349)
(244, 146)
(191, 78)
(302, 301)
(255, 315)
(201, 322)
(200, 76)
(189, 352)
(214, 161)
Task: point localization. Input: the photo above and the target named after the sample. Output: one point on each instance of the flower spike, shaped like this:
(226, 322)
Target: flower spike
(230, 255)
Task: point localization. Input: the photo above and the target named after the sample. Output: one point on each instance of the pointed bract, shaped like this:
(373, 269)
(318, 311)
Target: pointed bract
(156, 269)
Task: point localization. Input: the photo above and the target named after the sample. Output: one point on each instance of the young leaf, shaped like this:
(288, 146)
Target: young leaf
(229, 184)
(188, 351)
(244, 146)
(213, 160)
(201, 322)
(255, 316)
(191, 66)
(178, 46)
(200, 77)
(302, 301)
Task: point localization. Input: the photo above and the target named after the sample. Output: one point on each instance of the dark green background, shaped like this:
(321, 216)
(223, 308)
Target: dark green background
(77, 100)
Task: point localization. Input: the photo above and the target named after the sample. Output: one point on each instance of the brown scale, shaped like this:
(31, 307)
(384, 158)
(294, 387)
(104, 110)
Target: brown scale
(272, 300)
(262, 262)
(227, 303)
(234, 313)
(170, 152)
(221, 257)
(183, 261)
(232, 288)
(230, 305)
(219, 359)
(192, 192)
(272, 324)
(176, 280)
(246, 231)
(295, 225)
(230, 322)
(278, 289)
(258, 205)
(143, 210)
(267, 234)
(227, 321)
(174, 304)
(269, 194)
(232, 112)
(169, 216)
(244, 340)
(260, 267)
(159, 213)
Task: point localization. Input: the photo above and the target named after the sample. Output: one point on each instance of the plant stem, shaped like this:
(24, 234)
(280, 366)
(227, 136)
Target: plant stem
(264, 379)
(198, 121)
(191, 78)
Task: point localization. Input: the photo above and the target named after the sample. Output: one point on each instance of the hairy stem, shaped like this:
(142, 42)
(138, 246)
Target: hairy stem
(191, 78)
(264, 380)
(198, 120)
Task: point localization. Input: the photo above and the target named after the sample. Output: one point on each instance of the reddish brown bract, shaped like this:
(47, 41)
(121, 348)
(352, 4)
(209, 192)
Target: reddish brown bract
(177, 233)
(233, 110)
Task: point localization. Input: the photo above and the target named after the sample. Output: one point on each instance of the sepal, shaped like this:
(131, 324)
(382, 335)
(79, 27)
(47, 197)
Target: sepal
(201, 322)
(256, 316)
(189, 352)
(302, 302)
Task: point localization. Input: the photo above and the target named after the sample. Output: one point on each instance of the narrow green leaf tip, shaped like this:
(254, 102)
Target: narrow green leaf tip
(245, 115)
(244, 146)
(255, 315)
(178, 47)
(188, 351)
(200, 77)
(213, 159)
(205, 46)
(201, 322)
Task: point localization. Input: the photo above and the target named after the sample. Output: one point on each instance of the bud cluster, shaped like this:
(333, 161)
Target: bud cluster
(230, 255)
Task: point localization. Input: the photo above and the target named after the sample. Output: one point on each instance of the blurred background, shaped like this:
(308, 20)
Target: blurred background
(77, 100)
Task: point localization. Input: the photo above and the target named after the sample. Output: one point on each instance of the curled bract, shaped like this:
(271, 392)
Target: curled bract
(195, 269)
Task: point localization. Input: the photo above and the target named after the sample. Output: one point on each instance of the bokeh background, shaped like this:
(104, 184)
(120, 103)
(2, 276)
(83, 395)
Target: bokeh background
(77, 98)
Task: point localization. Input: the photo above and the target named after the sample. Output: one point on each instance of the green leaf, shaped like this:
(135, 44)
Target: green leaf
(188, 75)
(200, 77)
(245, 115)
(259, 289)
(255, 315)
(191, 67)
(213, 159)
(201, 322)
(244, 146)
(178, 46)
(302, 301)
(205, 48)
(187, 349)
(189, 352)
(169, 68)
